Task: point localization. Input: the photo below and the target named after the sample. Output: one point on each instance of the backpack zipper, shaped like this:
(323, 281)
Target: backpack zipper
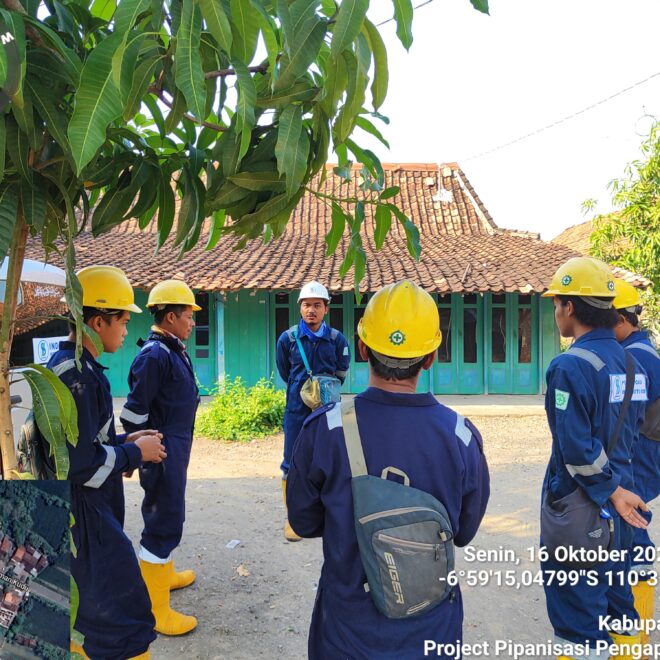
(412, 544)
(393, 512)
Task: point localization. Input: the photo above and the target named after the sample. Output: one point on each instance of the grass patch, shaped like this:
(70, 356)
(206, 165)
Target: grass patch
(237, 412)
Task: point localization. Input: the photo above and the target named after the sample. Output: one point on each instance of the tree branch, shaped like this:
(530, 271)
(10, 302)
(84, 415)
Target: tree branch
(260, 68)
(153, 89)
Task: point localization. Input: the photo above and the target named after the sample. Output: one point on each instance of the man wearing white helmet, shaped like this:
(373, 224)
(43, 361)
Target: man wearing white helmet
(326, 352)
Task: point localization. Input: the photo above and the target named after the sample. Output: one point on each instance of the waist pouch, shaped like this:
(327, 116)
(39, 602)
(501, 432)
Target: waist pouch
(575, 521)
(404, 536)
(320, 389)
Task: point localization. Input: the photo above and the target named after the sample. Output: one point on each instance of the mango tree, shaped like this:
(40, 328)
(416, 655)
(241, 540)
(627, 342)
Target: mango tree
(115, 108)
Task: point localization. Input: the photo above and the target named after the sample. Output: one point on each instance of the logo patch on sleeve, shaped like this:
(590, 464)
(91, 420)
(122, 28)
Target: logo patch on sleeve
(561, 399)
(618, 388)
(345, 350)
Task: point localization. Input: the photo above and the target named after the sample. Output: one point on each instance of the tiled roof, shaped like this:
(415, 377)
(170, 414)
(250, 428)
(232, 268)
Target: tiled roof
(40, 302)
(463, 250)
(577, 238)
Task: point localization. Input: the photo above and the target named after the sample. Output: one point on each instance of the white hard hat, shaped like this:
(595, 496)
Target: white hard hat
(314, 289)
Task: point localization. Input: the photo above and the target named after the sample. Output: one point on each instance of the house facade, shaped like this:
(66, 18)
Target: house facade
(499, 335)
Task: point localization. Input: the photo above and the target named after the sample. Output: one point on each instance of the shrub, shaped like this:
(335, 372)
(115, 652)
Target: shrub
(241, 413)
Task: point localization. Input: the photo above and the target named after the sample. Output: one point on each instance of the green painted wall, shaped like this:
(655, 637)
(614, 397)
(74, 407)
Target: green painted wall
(242, 337)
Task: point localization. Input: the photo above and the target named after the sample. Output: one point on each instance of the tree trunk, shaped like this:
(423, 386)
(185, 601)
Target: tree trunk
(16, 257)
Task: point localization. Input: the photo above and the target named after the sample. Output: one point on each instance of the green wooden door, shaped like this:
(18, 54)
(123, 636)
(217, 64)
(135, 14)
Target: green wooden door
(459, 367)
(246, 325)
(512, 345)
(119, 363)
(202, 344)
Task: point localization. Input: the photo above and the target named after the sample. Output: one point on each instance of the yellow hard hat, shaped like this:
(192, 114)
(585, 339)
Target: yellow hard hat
(107, 287)
(582, 276)
(172, 292)
(401, 321)
(627, 296)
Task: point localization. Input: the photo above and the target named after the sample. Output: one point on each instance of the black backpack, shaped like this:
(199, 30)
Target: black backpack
(33, 451)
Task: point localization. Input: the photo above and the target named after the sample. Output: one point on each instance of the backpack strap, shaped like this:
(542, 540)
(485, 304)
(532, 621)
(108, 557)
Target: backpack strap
(630, 383)
(308, 369)
(352, 439)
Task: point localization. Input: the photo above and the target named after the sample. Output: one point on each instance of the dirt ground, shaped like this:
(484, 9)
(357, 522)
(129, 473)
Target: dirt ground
(255, 600)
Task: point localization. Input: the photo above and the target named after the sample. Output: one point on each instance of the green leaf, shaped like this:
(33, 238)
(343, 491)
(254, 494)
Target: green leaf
(25, 118)
(147, 194)
(3, 142)
(244, 20)
(176, 113)
(303, 52)
(284, 14)
(127, 13)
(269, 33)
(165, 209)
(383, 224)
(141, 79)
(18, 148)
(335, 85)
(70, 61)
(103, 9)
(34, 201)
(96, 339)
(300, 11)
(355, 93)
(388, 193)
(348, 25)
(225, 196)
(49, 416)
(298, 93)
(52, 116)
(403, 14)
(252, 223)
(124, 63)
(97, 104)
(191, 206)
(217, 223)
(247, 97)
(480, 5)
(381, 71)
(337, 230)
(16, 57)
(360, 264)
(269, 180)
(217, 21)
(412, 232)
(8, 209)
(156, 114)
(368, 127)
(4, 67)
(292, 148)
(189, 75)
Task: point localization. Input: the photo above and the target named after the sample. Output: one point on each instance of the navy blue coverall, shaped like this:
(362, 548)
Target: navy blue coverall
(163, 396)
(646, 459)
(586, 385)
(115, 611)
(328, 354)
(442, 453)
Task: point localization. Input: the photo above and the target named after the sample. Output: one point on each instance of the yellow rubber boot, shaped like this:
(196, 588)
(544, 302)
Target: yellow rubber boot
(74, 648)
(143, 656)
(289, 534)
(626, 642)
(181, 579)
(644, 595)
(158, 577)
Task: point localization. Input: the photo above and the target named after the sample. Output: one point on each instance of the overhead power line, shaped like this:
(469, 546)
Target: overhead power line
(560, 121)
(389, 20)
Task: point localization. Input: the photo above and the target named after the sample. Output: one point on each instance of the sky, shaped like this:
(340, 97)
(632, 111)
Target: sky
(471, 83)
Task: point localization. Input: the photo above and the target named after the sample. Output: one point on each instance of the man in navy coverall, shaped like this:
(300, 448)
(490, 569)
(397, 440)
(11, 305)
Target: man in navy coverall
(164, 394)
(114, 615)
(439, 450)
(646, 458)
(327, 353)
(586, 386)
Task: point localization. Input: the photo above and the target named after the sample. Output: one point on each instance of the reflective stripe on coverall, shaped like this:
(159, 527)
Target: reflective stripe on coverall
(163, 396)
(328, 354)
(583, 400)
(115, 611)
(442, 454)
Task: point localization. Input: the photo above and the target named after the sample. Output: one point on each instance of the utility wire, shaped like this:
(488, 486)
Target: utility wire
(389, 20)
(560, 121)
